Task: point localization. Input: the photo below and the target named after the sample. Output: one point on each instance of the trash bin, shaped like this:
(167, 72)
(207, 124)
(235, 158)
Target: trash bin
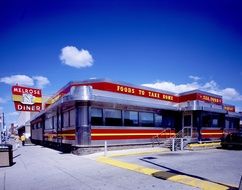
(6, 155)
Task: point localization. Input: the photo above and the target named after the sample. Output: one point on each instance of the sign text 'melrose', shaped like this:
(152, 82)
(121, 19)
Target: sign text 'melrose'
(27, 99)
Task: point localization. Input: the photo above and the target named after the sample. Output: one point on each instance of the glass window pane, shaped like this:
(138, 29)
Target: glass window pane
(72, 118)
(48, 123)
(226, 123)
(146, 119)
(215, 122)
(158, 120)
(168, 122)
(113, 117)
(96, 116)
(232, 124)
(206, 121)
(131, 118)
(66, 119)
(187, 120)
(54, 122)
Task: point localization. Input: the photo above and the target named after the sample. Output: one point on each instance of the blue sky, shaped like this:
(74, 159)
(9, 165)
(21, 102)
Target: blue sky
(173, 45)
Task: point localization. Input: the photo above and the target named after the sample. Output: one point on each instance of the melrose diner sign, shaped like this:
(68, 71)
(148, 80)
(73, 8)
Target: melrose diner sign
(27, 99)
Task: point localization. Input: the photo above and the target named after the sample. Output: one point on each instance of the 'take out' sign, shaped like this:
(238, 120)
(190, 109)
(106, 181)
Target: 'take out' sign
(27, 99)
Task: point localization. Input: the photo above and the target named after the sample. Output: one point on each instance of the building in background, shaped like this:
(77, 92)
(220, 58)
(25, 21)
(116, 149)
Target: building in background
(12, 129)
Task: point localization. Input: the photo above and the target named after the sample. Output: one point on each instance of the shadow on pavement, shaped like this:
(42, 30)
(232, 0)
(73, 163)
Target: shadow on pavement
(16, 156)
(173, 172)
(29, 145)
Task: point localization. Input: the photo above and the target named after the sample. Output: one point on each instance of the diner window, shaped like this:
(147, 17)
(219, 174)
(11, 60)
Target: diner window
(54, 122)
(66, 119)
(227, 123)
(206, 121)
(187, 120)
(96, 116)
(72, 118)
(168, 122)
(234, 123)
(48, 123)
(146, 119)
(113, 117)
(41, 125)
(158, 120)
(215, 122)
(131, 118)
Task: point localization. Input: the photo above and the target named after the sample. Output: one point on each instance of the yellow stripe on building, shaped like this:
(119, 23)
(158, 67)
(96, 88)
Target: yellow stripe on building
(37, 100)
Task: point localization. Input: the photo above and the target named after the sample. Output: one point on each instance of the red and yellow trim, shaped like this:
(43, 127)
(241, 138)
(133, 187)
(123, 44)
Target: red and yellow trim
(213, 133)
(123, 134)
(65, 135)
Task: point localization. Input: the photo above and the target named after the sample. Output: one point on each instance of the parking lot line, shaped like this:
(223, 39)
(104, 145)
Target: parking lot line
(174, 177)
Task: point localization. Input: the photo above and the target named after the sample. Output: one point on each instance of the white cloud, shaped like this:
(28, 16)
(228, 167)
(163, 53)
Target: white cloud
(230, 94)
(2, 100)
(73, 57)
(170, 86)
(38, 81)
(211, 86)
(41, 81)
(18, 79)
(195, 78)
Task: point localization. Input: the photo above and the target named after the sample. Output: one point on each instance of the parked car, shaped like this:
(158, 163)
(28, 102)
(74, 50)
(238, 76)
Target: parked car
(232, 140)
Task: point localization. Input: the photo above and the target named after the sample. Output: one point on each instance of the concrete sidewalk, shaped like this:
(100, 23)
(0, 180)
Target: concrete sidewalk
(41, 168)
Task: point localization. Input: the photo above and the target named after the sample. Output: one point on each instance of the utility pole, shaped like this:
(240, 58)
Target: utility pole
(1, 128)
(4, 130)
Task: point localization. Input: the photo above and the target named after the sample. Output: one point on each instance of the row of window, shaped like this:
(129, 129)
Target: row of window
(111, 117)
(114, 117)
(231, 123)
(37, 126)
(69, 120)
(213, 120)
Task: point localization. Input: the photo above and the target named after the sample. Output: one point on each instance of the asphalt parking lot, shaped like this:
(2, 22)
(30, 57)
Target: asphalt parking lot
(215, 165)
(37, 167)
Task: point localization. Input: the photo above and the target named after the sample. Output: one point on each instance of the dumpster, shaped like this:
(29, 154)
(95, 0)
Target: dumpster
(6, 155)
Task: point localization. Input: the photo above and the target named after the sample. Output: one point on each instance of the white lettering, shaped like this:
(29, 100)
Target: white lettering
(21, 107)
(27, 91)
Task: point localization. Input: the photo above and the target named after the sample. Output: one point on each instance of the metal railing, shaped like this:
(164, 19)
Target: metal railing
(159, 138)
(177, 141)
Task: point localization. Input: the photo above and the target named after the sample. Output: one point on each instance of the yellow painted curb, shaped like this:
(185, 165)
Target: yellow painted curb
(204, 145)
(138, 153)
(178, 178)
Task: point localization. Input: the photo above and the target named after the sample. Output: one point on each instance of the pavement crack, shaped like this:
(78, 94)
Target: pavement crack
(72, 176)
